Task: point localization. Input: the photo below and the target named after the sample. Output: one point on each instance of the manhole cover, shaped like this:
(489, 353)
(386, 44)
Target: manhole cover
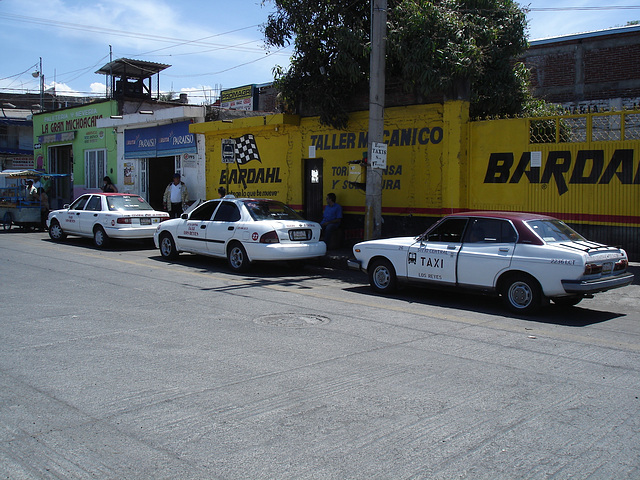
(292, 320)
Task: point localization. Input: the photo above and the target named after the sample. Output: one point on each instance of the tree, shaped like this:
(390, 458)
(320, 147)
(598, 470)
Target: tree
(443, 47)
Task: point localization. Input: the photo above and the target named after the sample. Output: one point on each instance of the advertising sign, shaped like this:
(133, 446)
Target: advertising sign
(238, 98)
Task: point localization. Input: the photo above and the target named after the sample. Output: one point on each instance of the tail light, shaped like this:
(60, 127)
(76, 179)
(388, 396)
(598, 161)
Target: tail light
(270, 237)
(621, 265)
(124, 220)
(592, 269)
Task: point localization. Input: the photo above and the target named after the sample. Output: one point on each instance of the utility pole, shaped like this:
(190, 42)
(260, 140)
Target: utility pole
(373, 206)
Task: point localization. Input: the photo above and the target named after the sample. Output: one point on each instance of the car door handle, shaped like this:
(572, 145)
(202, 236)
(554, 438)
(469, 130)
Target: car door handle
(503, 249)
(203, 226)
(451, 247)
(95, 214)
(229, 228)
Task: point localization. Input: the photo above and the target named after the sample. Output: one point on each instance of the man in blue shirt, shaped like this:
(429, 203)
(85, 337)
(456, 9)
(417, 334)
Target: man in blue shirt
(331, 219)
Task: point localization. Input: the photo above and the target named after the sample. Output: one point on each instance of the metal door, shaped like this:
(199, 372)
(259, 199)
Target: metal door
(313, 193)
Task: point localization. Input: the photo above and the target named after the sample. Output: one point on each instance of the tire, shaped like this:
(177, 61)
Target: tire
(55, 231)
(100, 238)
(168, 247)
(521, 293)
(237, 257)
(6, 221)
(382, 276)
(567, 301)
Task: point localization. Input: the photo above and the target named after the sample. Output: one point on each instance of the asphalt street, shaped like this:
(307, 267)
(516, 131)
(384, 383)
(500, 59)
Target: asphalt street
(116, 364)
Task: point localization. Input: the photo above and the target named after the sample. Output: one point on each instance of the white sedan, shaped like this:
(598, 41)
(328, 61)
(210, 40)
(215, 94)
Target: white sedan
(525, 258)
(103, 216)
(242, 230)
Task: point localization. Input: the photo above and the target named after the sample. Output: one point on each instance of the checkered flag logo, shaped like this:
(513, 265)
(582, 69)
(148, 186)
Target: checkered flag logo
(246, 149)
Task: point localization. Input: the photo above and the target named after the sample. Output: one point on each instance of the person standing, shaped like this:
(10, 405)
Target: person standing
(175, 197)
(108, 186)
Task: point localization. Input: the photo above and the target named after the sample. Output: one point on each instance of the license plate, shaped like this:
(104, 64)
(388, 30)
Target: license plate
(607, 267)
(145, 221)
(299, 235)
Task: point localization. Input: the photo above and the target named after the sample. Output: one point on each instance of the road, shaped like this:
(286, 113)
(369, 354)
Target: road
(118, 364)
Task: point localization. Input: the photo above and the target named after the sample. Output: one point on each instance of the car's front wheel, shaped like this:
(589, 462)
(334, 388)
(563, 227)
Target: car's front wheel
(6, 221)
(237, 257)
(521, 293)
(100, 237)
(168, 246)
(382, 276)
(55, 231)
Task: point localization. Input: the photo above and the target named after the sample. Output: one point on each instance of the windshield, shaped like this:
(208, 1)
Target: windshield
(554, 231)
(127, 203)
(270, 210)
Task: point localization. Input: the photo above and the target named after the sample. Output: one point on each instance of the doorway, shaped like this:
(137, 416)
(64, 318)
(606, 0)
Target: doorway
(160, 172)
(60, 188)
(313, 194)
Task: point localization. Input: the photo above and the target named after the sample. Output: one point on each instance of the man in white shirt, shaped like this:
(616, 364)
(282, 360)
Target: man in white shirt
(175, 197)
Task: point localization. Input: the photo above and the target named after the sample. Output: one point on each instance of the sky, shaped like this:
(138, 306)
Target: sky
(210, 44)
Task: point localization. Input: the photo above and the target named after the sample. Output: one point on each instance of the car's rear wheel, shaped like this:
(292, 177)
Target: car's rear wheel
(55, 231)
(100, 237)
(382, 276)
(567, 301)
(237, 257)
(521, 293)
(168, 246)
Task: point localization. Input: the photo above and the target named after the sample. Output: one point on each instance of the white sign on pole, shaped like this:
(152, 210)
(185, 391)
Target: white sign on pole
(378, 155)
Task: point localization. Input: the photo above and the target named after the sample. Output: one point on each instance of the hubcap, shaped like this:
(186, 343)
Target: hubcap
(520, 294)
(166, 246)
(236, 257)
(381, 277)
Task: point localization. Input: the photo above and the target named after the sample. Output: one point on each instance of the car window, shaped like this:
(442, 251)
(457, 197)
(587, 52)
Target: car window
(204, 211)
(270, 210)
(554, 231)
(79, 203)
(490, 230)
(127, 203)
(94, 204)
(228, 212)
(449, 231)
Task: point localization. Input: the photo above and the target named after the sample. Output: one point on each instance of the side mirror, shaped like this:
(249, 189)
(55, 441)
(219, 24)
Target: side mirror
(66, 205)
(184, 216)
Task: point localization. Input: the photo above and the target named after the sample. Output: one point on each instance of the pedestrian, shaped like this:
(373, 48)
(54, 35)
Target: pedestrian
(175, 197)
(331, 219)
(44, 207)
(31, 191)
(222, 192)
(108, 186)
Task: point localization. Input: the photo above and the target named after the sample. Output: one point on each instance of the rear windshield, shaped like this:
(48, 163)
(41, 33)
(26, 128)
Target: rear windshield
(270, 210)
(128, 203)
(554, 231)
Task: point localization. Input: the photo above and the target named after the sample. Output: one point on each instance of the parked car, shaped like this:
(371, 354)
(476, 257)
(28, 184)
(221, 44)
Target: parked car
(243, 230)
(525, 258)
(103, 216)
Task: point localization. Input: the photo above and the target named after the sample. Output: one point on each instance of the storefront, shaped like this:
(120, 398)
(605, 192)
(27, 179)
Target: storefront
(151, 147)
(69, 141)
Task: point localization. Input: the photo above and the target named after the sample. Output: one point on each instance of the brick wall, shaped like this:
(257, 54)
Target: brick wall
(592, 67)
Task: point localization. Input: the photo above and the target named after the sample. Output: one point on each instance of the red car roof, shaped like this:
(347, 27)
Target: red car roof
(525, 234)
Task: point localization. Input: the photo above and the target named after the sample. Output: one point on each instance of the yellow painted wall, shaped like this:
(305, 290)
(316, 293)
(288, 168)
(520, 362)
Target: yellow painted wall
(412, 183)
(592, 182)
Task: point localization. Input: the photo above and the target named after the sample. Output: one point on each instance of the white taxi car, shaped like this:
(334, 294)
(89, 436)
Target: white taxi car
(242, 230)
(525, 258)
(103, 216)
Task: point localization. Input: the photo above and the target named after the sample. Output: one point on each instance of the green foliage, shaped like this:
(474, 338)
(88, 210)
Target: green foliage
(432, 47)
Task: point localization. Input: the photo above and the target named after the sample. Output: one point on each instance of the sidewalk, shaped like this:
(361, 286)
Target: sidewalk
(337, 258)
